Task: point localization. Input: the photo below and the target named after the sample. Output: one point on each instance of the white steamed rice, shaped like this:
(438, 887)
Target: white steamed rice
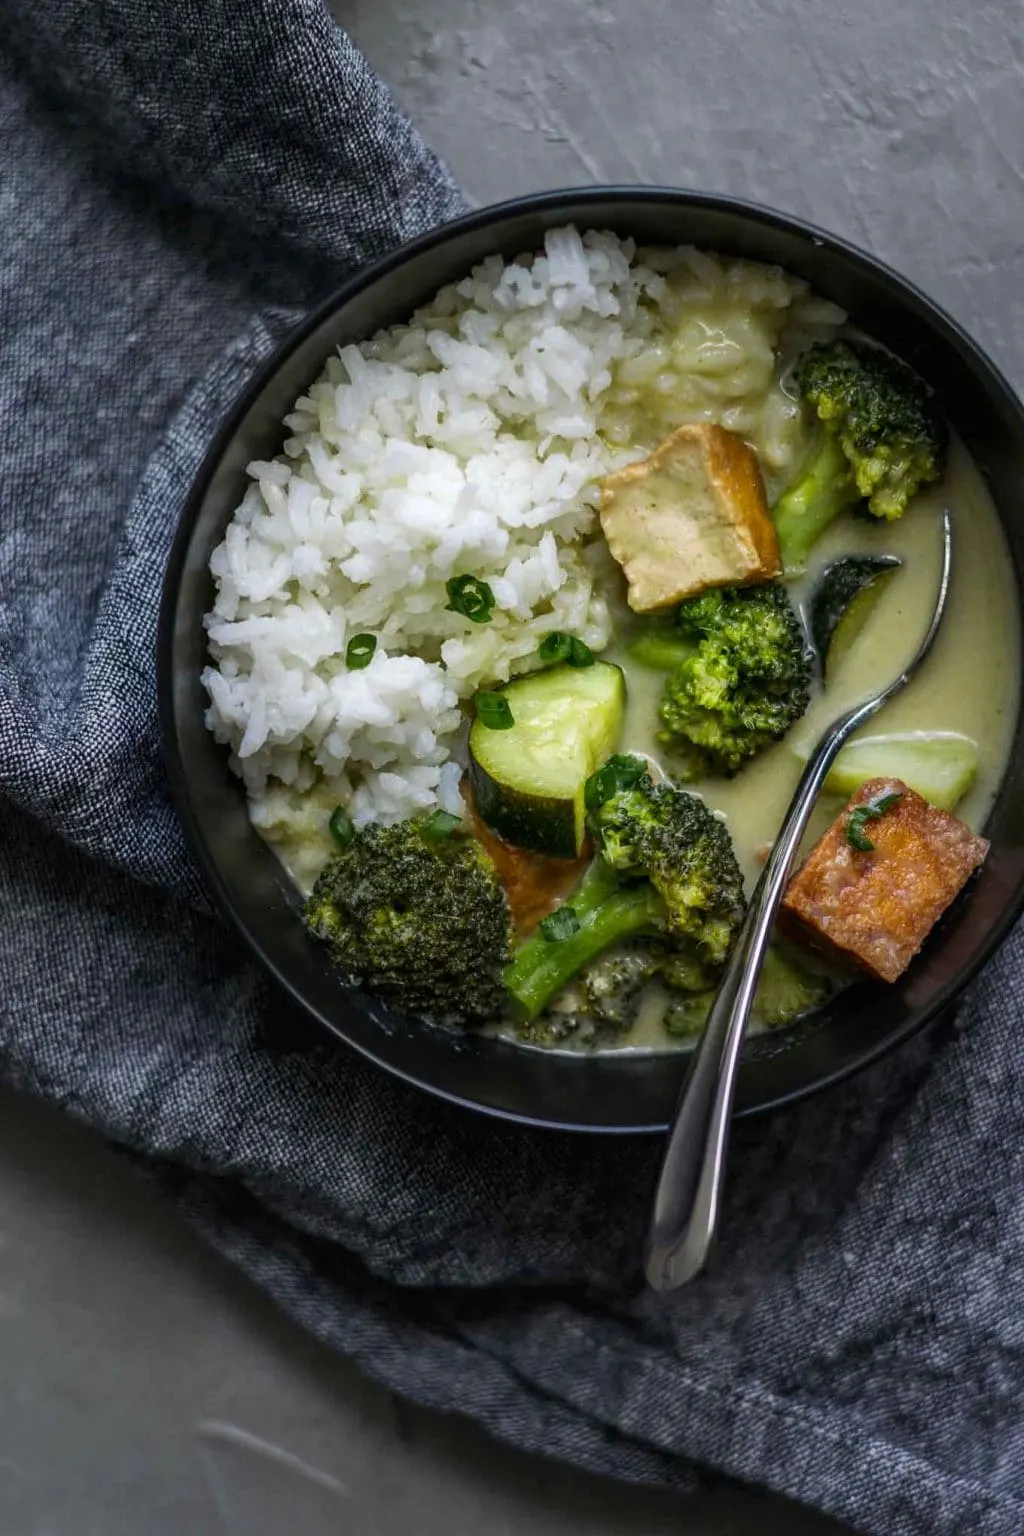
(467, 442)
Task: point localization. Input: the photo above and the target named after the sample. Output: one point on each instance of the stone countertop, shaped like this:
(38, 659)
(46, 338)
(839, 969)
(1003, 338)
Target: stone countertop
(149, 1390)
(146, 1388)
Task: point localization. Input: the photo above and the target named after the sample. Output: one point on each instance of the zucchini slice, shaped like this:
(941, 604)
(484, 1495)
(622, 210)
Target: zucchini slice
(843, 601)
(940, 765)
(528, 780)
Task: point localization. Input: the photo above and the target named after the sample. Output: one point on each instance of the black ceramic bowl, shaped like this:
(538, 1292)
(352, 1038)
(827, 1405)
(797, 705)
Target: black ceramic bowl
(601, 1093)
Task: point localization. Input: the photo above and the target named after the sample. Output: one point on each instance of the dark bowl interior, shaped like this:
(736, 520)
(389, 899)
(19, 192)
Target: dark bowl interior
(603, 1093)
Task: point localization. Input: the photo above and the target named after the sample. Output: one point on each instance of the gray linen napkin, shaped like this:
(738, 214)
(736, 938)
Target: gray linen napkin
(177, 181)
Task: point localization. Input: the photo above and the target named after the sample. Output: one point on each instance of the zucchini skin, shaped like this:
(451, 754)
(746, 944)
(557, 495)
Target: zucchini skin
(566, 718)
(838, 588)
(533, 822)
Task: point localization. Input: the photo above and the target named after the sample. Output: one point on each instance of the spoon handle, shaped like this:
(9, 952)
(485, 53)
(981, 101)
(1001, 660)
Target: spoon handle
(688, 1196)
(689, 1187)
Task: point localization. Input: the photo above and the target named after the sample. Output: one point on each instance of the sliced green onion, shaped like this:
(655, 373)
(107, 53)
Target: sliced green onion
(621, 771)
(359, 652)
(440, 824)
(560, 924)
(862, 814)
(471, 597)
(558, 646)
(555, 647)
(342, 828)
(856, 838)
(494, 711)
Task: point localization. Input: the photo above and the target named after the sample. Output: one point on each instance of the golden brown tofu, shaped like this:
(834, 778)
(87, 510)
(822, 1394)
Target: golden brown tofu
(877, 908)
(691, 516)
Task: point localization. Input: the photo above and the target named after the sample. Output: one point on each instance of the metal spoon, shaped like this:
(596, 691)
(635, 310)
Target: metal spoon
(686, 1204)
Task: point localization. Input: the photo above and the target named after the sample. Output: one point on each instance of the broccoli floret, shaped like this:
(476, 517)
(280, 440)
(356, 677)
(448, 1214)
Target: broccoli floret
(607, 913)
(600, 1003)
(881, 439)
(786, 990)
(683, 970)
(686, 1016)
(745, 683)
(785, 993)
(665, 870)
(609, 987)
(686, 853)
(553, 1028)
(421, 922)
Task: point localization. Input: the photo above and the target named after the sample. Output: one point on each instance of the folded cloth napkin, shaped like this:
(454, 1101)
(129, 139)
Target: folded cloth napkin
(178, 180)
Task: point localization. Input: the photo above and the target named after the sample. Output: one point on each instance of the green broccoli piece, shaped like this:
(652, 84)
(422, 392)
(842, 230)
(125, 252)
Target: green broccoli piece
(786, 989)
(553, 1028)
(600, 1003)
(421, 922)
(665, 870)
(609, 987)
(685, 1017)
(745, 683)
(785, 993)
(686, 853)
(607, 912)
(881, 439)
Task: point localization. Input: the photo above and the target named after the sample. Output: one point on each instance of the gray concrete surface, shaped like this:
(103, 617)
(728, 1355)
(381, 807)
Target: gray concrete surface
(146, 1390)
(899, 125)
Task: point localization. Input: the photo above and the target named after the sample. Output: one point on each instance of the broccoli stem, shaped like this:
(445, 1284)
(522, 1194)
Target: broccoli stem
(825, 488)
(660, 649)
(607, 913)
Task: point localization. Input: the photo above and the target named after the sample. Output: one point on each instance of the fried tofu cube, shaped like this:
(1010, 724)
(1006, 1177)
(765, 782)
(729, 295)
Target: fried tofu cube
(875, 909)
(691, 516)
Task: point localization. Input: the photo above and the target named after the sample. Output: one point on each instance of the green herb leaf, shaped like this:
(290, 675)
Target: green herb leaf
(440, 824)
(559, 925)
(471, 597)
(494, 711)
(555, 647)
(855, 834)
(341, 825)
(558, 646)
(862, 814)
(359, 652)
(621, 771)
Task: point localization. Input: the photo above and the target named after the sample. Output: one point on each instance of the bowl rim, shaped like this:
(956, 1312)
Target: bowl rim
(479, 218)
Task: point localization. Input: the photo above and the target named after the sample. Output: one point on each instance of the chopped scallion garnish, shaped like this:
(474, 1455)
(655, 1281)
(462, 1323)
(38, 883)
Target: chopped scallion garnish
(555, 647)
(471, 597)
(359, 652)
(342, 827)
(560, 925)
(621, 771)
(441, 824)
(862, 814)
(559, 646)
(494, 711)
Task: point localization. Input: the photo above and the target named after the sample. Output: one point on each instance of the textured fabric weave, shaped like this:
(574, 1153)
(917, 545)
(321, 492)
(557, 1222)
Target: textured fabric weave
(177, 182)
